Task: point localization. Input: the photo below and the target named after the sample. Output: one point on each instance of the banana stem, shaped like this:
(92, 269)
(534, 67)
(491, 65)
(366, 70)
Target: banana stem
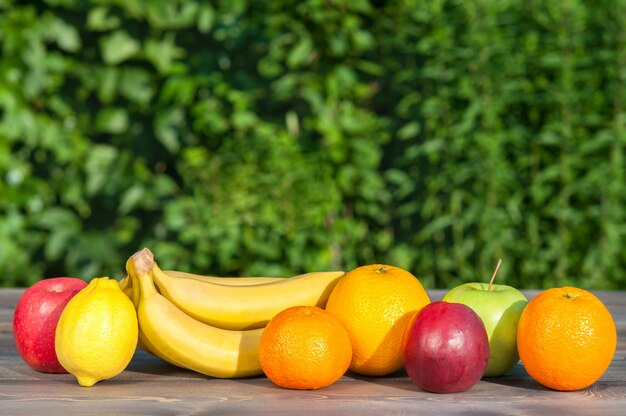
(142, 261)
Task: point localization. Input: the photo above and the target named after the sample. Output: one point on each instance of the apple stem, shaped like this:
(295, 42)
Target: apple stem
(493, 276)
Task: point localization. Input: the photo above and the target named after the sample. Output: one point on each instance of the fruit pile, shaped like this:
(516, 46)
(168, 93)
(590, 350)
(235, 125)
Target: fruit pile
(306, 331)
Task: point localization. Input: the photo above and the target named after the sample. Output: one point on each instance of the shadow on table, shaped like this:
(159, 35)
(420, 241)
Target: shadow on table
(526, 384)
(396, 380)
(518, 378)
(146, 363)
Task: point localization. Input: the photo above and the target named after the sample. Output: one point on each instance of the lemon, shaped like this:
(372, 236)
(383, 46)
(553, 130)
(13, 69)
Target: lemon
(97, 332)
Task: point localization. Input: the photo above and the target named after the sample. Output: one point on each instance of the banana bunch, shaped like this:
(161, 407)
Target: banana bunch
(208, 324)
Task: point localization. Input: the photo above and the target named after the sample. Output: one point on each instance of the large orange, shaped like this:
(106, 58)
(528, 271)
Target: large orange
(375, 303)
(566, 338)
(304, 347)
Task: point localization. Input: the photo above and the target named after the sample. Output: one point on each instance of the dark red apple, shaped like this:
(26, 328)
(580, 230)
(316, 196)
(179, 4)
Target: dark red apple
(35, 321)
(446, 348)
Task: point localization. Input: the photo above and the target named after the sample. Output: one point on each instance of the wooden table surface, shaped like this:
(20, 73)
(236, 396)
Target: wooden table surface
(150, 386)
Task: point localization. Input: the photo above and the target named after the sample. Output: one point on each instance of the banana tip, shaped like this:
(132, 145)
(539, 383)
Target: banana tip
(143, 261)
(148, 253)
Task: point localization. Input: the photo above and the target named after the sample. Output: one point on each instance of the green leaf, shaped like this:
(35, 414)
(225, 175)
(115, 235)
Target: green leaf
(244, 119)
(66, 36)
(136, 85)
(371, 68)
(58, 243)
(163, 52)
(98, 165)
(118, 47)
(167, 127)
(131, 198)
(301, 53)
(206, 18)
(99, 19)
(171, 14)
(112, 120)
(55, 217)
(409, 130)
(363, 40)
(107, 83)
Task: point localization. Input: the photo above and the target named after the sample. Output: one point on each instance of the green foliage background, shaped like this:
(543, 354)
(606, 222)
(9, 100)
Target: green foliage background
(270, 138)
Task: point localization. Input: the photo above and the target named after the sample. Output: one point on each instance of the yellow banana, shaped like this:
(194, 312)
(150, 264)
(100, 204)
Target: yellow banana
(125, 283)
(126, 286)
(234, 281)
(135, 295)
(244, 307)
(186, 342)
(132, 291)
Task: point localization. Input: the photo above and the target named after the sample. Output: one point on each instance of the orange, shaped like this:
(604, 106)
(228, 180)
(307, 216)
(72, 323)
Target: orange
(375, 304)
(566, 338)
(304, 347)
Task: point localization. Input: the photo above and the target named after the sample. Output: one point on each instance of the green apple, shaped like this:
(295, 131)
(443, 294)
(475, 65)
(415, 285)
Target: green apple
(499, 307)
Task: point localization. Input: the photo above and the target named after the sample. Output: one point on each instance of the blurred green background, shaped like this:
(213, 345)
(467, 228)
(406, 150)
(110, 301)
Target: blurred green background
(273, 138)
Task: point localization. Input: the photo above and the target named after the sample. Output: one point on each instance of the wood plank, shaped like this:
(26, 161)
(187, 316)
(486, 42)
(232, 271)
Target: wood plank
(151, 386)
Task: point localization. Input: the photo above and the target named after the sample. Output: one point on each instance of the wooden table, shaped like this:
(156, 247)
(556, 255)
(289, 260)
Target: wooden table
(150, 386)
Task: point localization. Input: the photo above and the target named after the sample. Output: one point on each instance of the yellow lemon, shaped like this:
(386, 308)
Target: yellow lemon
(97, 332)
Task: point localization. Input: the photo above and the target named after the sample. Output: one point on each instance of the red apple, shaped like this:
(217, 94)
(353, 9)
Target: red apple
(446, 348)
(35, 321)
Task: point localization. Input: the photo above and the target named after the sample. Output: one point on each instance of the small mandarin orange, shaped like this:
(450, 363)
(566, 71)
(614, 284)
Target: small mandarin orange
(304, 347)
(566, 338)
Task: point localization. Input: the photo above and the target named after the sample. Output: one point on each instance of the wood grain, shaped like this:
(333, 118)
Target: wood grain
(150, 386)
